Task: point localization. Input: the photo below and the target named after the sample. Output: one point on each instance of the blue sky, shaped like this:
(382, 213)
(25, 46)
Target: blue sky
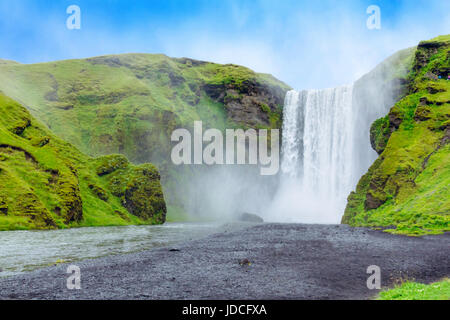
(307, 44)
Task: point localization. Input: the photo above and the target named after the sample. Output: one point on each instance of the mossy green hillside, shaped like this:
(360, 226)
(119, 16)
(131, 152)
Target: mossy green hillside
(406, 190)
(129, 104)
(46, 182)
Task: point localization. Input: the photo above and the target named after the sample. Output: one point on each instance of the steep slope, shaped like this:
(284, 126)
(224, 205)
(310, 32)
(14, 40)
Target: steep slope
(47, 183)
(373, 95)
(406, 190)
(131, 103)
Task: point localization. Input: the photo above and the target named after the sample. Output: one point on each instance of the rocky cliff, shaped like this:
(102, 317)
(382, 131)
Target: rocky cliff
(406, 190)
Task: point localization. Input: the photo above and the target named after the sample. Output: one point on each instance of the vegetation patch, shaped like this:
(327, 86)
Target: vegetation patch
(418, 291)
(406, 190)
(46, 183)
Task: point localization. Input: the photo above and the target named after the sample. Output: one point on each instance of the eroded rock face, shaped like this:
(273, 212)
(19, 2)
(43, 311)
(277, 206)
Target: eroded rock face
(251, 103)
(143, 195)
(138, 187)
(425, 50)
(69, 191)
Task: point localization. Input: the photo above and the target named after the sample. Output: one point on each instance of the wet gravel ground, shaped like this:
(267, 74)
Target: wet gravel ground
(286, 261)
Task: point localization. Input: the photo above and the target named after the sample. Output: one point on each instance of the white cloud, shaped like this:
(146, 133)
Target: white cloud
(305, 45)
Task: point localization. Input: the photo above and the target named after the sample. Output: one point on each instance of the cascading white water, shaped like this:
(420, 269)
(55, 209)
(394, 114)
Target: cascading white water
(292, 139)
(317, 156)
(328, 144)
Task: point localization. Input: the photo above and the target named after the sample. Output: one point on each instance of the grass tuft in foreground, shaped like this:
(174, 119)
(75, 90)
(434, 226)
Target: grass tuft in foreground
(418, 291)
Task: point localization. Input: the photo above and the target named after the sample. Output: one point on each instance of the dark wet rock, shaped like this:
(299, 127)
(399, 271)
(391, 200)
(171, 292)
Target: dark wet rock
(422, 113)
(250, 103)
(175, 80)
(250, 217)
(244, 262)
(68, 106)
(372, 202)
(434, 90)
(3, 206)
(191, 62)
(395, 119)
(424, 101)
(99, 192)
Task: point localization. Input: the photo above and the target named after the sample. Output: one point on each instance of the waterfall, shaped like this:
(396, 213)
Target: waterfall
(317, 166)
(292, 138)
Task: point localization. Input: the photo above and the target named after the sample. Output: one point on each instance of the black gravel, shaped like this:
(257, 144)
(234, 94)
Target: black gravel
(267, 261)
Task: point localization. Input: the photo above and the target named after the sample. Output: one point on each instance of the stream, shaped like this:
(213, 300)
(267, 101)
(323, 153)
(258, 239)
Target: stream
(22, 251)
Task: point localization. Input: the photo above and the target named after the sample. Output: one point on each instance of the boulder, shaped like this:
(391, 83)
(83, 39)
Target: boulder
(250, 217)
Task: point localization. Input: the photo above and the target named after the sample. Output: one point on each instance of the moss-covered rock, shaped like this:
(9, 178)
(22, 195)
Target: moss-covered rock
(406, 190)
(139, 190)
(47, 183)
(99, 192)
(250, 100)
(380, 131)
(111, 163)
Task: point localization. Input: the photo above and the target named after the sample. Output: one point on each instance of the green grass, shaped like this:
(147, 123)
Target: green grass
(46, 182)
(418, 291)
(407, 189)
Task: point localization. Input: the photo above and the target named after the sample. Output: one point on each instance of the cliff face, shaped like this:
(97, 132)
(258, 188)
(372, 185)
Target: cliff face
(406, 190)
(47, 183)
(374, 94)
(130, 104)
(251, 103)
